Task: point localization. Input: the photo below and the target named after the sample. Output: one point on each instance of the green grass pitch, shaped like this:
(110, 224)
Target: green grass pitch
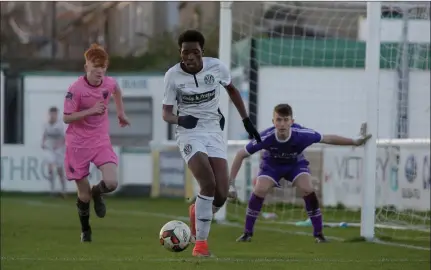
(42, 233)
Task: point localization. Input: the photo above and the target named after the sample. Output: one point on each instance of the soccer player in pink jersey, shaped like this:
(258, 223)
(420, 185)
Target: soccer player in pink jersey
(87, 136)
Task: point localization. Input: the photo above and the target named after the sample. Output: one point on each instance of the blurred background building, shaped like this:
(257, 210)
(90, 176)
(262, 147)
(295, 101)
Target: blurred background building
(62, 30)
(141, 36)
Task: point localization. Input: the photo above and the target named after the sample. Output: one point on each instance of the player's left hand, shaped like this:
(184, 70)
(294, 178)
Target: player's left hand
(362, 140)
(251, 129)
(364, 137)
(123, 120)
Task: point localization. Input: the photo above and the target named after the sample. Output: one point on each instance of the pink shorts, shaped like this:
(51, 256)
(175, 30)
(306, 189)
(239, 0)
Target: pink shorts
(77, 160)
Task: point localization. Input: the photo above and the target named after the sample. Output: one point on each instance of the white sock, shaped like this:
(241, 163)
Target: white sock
(51, 182)
(215, 209)
(204, 216)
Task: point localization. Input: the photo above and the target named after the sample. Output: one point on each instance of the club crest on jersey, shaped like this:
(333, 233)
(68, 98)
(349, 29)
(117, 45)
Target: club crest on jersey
(187, 149)
(209, 79)
(105, 94)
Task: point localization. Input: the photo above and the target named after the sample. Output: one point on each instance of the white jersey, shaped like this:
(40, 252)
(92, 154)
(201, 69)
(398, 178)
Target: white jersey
(197, 95)
(54, 135)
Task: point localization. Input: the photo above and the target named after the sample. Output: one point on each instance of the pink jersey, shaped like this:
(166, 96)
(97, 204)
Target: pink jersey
(92, 131)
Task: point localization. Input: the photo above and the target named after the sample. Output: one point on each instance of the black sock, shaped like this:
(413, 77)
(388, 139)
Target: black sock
(100, 188)
(84, 214)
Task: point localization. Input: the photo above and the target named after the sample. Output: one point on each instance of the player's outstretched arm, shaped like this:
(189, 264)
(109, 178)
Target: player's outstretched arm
(236, 98)
(119, 106)
(234, 169)
(118, 99)
(343, 141)
(251, 148)
(237, 163)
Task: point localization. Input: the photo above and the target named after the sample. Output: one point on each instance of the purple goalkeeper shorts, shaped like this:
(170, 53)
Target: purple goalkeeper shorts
(288, 172)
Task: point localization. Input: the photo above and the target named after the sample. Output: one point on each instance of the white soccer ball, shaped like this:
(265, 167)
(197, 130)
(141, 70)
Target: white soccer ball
(175, 236)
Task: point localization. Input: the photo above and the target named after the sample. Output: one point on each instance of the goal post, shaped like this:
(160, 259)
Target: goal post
(372, 68)
(340, 60)
(225, 39)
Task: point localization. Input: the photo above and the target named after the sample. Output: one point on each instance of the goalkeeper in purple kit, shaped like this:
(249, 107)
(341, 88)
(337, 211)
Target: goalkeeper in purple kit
(283, 157)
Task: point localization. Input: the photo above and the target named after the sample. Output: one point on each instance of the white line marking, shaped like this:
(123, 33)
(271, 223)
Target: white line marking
(225, 260)
(161, 215)
(230, 224)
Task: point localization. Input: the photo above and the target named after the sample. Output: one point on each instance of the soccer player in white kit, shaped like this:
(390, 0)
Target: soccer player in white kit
(194, 86)
(54, 143)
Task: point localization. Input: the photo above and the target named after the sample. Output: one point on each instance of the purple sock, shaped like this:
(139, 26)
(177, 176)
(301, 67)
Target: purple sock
(254, 205)
(313, 212)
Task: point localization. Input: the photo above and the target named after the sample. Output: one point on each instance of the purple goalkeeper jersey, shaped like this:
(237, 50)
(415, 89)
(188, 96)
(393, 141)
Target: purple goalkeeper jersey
(284, 152)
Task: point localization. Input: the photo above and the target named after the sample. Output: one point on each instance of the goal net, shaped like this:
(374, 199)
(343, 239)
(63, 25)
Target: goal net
(312, 56)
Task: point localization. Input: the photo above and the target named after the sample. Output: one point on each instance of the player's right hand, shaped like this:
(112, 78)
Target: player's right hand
(233, 194)
(188, 121)
(98, 108)
(251, 129)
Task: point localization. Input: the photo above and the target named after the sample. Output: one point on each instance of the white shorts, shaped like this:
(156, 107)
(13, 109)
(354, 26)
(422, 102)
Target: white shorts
(55, 157)
(212, 143)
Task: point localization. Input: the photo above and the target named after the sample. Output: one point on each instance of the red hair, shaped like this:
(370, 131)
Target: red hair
(97, 55)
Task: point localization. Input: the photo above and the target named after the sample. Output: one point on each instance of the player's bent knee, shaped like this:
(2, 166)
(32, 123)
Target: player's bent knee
(84, 197)
(111, 185)
(307, 191)
(202, 171)
(219, 201)
(263, 186)
(260, 192)
(207, 187)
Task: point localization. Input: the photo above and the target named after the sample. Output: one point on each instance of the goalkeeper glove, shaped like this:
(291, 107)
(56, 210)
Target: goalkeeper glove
(251, 129)
(364, 137)
(188, 121)
(362, 140)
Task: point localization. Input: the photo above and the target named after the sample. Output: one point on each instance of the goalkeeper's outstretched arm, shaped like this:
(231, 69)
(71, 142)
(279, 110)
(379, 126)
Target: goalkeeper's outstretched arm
(343, 141)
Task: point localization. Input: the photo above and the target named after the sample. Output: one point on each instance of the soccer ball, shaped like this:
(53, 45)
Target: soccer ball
(175, 236)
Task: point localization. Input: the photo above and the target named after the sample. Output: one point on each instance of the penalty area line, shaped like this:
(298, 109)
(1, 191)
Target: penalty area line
(219, 260)
(229, 224)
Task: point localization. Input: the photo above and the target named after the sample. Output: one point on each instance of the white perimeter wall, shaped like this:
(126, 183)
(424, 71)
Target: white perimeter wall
(334, 100)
